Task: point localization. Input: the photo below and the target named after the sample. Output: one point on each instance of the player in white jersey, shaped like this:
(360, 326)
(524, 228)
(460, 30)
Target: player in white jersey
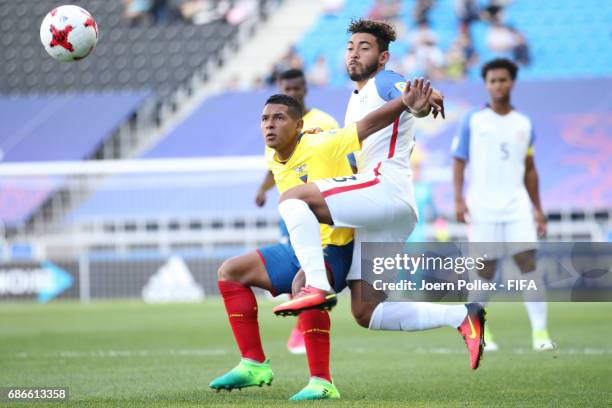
(497, 141)
(378, 201)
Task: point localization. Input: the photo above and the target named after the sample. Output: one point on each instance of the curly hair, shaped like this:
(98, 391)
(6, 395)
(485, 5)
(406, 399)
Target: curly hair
(384, 33)
(498, 63)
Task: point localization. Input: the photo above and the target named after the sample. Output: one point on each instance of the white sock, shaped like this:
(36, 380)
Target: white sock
(305, 237)
(537, 312)
(413, 316)
(536, 309)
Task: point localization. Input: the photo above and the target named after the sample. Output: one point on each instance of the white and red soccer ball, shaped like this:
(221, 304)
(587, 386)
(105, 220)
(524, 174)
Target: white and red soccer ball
(69, 33)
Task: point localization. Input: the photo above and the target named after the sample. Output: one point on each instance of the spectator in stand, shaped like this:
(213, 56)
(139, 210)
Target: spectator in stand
(455, 64)
(319, 74)
(500, 39)
(461, 55)
(494, 12)
(137, 12)
(241, 11)
(467, 11)
(203, 11)
(421, 34)
(291, 60)
(430, 59)
(421, 10)
(425, 57)
(332, 7)
(409, 65)
(159, 11)
(520, 52)
(389, 11)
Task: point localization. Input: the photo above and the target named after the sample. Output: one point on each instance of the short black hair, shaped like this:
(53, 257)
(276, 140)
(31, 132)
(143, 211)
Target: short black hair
(384, 32)
(295, 109)
(291, 74)
(498, 63)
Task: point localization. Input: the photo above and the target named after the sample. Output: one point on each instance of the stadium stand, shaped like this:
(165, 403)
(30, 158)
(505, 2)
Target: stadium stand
(157, 58)
(61, 126)
(568, 38)
(54, 127)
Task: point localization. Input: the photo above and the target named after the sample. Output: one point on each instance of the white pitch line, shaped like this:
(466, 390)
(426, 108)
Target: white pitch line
(519, 351)
(221, 351)
(126, 353)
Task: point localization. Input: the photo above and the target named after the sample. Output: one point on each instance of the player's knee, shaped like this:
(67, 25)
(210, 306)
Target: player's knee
(362, 316)
(292, 193)
(526, 261)
(228, 271)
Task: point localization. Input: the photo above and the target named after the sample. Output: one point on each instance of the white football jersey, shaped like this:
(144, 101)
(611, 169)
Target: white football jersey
(389, 149)
(496, 147)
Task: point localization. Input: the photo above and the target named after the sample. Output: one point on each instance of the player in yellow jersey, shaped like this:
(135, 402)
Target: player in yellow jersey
(293, 83)
(295, 159)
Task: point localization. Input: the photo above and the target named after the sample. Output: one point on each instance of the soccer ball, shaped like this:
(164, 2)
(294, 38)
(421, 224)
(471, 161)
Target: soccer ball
(69, 33)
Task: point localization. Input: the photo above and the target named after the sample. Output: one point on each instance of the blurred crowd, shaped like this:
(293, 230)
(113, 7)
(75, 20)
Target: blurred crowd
(424, 55)
(151, 12)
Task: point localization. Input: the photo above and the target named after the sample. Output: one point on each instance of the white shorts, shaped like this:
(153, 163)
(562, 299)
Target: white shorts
(503, 238)
(379, 210)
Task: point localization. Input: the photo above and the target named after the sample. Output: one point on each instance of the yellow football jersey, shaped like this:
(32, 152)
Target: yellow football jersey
(318, 156)
(316, 118)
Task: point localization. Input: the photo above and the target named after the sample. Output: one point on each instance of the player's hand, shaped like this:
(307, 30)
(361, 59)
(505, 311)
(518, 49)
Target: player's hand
(461, 211)
(260, 198)
(541, 223)
(313, 130)
(436, 101)
(416, 94)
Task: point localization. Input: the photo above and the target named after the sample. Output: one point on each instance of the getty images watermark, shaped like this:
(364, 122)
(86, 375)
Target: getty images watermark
(438, 271)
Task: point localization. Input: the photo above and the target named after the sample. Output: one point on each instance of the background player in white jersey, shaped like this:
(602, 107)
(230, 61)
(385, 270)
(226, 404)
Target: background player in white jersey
(497, 141)
(378, 201)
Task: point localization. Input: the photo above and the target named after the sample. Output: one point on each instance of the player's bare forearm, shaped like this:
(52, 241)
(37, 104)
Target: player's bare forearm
(461, 210)
(415, 97)
(380, 118)
(268, 182)
(458, 178)
(532, 183)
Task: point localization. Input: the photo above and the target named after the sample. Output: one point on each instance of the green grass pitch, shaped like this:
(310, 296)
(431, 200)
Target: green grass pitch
(128, 354)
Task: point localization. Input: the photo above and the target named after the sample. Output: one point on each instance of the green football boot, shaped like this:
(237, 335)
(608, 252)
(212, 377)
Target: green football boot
(542, 341)
(247, 373)
(317, 389)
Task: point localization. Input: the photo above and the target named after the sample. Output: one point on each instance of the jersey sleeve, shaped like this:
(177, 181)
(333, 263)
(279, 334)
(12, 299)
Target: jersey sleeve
(389, 85)
(460, 147)
(531, 148)
(337, 142)
(329, 122)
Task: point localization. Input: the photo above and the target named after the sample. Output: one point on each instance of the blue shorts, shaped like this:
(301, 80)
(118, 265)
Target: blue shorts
(282, 265)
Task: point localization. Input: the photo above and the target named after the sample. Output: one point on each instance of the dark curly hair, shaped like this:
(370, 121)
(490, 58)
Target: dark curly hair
(498, 63)
(384, 33)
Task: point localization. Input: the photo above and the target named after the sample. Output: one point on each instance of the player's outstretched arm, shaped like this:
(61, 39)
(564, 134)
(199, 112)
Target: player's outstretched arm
(461, 210)
(266, 184)
(415, 97)
(532, 186)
